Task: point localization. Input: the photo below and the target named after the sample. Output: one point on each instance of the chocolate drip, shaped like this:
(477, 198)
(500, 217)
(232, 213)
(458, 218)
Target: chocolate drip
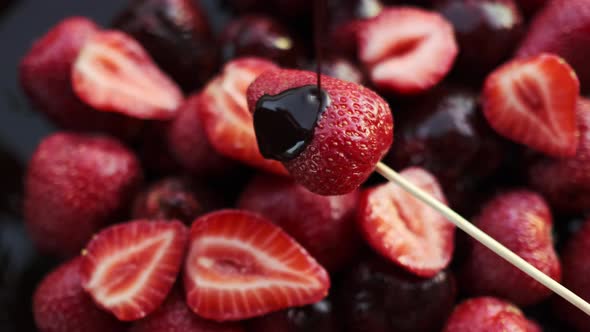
(285, 123)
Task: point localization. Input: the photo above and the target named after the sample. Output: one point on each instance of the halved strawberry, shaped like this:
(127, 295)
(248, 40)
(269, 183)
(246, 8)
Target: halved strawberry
(129, 269)
(532, 101)
(228, 123)
(407, 50)
(240, 266)
(113, 73)
(405, 230)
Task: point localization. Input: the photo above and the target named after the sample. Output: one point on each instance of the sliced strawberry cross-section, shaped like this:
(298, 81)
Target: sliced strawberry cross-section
(407, 50)
(129, 269)
(113, 73)
(532, 101)
(228, 123)
(405, 230)
(240, 266)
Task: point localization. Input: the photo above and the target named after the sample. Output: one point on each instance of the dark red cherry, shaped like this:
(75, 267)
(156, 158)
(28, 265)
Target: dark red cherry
(344, 23)
(177, 35)
(261, 36)
(377, 296)
(487, 32)
(291, 9)
(175, 198)
(340, 68)
(445, 132)
(343, 11)
(317, 317)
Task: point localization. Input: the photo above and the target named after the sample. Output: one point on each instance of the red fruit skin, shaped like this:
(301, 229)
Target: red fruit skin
(225, 115)
(565, 183)
(576, 269)
(488, 314)
(75, 185)
(403, 229)
(44, 74)
(323, 225)
(188, 142)
(352, 134)
(521, 221)
(175, 316)
(562, 27)
(61, 305)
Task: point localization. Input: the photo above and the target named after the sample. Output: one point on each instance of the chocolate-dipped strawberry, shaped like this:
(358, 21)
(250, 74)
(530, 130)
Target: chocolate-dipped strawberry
(329, 139)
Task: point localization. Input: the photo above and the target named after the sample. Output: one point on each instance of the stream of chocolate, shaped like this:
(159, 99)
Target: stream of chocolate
(319, 12)
(285, 123)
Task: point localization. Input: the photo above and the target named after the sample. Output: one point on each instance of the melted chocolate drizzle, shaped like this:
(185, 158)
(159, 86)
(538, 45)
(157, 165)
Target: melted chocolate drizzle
(285, 123)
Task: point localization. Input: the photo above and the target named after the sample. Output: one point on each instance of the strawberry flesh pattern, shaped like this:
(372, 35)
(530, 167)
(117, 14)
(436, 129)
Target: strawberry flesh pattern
(113, 73)
(240, 266)
(533, 101)
(405, 230)
(129, 269)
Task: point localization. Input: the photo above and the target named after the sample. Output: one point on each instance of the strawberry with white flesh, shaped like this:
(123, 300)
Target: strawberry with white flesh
(225, 115)
(533, 101)
(407, 50)
(405, 230)
(129, 268)
(240, 266)
(113, 73)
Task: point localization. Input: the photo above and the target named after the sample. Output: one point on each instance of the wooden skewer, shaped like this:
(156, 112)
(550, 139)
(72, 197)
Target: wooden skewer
(483, 238)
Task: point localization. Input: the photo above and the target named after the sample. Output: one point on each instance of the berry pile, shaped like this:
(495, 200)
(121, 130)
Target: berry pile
(203, 181)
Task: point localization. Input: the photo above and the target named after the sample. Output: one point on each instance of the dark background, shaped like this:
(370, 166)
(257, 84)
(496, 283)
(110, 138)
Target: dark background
(21, 22)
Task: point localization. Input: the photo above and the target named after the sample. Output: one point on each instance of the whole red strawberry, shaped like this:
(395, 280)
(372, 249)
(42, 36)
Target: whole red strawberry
(352, 134)
(562, 27)
(576, 269)
(76, 184)
(188, 143)
(61, 305)
(488, 314)
(324, 225)
(175, 316)
(520, 220)
(45, 76)
(565, 183)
